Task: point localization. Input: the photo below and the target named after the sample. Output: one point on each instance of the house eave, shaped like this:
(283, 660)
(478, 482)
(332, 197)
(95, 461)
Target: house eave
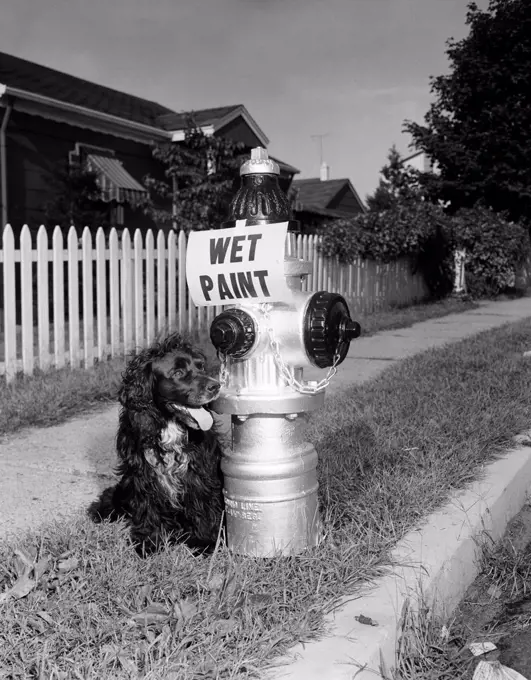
(73, 114)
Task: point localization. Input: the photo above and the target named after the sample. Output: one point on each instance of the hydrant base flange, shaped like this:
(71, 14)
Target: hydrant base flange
(279, 404)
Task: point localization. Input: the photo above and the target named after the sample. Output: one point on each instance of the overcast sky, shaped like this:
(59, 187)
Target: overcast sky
(351, 69)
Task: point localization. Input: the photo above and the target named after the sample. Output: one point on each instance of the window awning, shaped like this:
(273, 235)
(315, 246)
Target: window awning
(115, 182)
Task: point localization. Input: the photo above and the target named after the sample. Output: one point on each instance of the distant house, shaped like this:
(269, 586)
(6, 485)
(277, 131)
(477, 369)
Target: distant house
(321, 199)
(49, 118)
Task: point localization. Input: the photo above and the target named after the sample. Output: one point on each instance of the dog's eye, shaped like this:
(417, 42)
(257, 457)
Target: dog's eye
(177, 373)
(200, 365)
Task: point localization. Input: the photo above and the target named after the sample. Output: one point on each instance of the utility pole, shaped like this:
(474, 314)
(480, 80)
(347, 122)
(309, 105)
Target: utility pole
(320, 138)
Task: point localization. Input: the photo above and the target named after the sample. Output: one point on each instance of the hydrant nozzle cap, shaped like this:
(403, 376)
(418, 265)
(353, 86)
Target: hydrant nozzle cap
(260, 163)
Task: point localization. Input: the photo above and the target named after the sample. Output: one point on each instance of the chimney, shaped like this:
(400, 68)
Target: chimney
(325, 172)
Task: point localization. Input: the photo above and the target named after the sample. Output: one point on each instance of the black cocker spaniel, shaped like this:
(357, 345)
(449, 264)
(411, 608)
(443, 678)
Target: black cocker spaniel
(169, 456)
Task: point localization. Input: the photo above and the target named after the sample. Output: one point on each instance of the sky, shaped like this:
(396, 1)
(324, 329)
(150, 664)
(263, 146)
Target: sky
(352, 70)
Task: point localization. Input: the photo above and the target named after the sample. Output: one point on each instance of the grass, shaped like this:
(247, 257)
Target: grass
(52, 397)
(390, 452)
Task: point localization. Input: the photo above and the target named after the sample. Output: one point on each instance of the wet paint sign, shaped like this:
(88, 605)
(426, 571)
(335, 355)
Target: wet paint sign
(241, 264)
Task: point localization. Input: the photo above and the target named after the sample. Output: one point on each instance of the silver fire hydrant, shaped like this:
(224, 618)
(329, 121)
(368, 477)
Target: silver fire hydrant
(267, 337)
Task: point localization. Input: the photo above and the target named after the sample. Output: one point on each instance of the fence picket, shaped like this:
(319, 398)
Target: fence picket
(138, 273)
(172, 281)
(150, 287)
(43, 300)
(181, 273)
(10, 305)
(88, 304)
(127, 292)
(73, 297)
(101, 295)
(114, 291)
(161, 282)
(26, 287)
(58, 277)
(143, 292)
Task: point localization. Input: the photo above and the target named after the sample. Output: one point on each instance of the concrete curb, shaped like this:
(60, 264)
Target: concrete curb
(438, 560)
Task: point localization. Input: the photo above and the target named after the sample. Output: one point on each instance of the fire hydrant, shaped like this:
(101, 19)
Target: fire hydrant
(267, 337)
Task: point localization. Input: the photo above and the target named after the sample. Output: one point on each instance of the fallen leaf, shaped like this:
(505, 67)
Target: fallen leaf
(151, 615)
(366, 620)
(184, 609)
(478, 648)
(215, 582)
(222, 627)
(24, 559)
(22, 587)
(494, 591)
(41, 567)
(68, 564)
(486, 670)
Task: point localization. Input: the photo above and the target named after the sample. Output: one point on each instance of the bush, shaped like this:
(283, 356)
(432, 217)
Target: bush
(412, 228)
(496, 249)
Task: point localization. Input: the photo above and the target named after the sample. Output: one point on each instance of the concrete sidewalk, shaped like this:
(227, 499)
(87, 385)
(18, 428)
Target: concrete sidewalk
(47, 472)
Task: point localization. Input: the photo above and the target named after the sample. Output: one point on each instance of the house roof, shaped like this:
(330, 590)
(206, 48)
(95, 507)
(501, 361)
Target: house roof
(286, 167)
(26, 75)
(315, 195)
(316, 192)
(177, 121)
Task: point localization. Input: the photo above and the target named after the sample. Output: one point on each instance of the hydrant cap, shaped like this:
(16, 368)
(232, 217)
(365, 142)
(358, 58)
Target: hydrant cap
(260, 164)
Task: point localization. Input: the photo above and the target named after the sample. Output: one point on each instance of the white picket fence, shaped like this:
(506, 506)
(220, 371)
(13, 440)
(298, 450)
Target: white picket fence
(92, 298)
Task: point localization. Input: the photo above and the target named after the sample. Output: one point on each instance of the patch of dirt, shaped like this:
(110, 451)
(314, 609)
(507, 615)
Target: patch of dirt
(497, 606)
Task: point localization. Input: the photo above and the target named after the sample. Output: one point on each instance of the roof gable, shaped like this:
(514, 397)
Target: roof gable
(317, 194)
(177, 121)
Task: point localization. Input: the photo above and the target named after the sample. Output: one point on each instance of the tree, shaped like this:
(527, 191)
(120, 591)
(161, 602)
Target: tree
(479, 127)
(76, 200)
(398, 183)
(200, 175)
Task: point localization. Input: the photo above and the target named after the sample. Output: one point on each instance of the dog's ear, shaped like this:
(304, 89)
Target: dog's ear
(138, 384)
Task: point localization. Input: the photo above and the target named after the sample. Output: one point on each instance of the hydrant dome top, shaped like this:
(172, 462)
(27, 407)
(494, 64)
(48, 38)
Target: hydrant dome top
(259, 163)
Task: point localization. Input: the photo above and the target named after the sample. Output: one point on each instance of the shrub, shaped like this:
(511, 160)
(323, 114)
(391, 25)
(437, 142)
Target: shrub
(496, 249)
(424, 232)
(412, 228)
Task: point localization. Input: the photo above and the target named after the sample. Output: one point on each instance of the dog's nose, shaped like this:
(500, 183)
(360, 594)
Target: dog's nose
(214, 386)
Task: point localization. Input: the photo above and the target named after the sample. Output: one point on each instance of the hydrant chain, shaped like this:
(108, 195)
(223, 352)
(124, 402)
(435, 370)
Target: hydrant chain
(223, 372)
(287, 374)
